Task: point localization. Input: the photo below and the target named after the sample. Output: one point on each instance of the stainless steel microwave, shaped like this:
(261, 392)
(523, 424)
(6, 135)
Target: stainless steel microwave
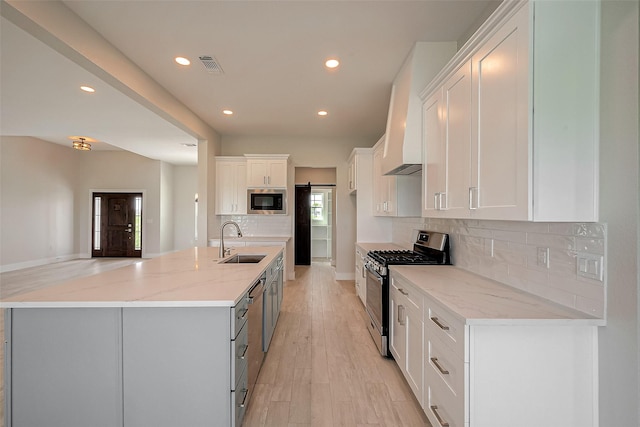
(267, 201)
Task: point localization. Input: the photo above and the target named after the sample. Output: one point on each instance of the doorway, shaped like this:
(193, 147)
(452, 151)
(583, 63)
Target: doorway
(315, 215)
(117, 225)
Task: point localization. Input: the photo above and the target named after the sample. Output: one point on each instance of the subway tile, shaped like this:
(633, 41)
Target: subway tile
(551, 240)
(510, 236)
(594, 307)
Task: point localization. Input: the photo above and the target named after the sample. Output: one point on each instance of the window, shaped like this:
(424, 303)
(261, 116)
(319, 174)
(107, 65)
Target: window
(97, 210)
(138, 223)
(317, 206)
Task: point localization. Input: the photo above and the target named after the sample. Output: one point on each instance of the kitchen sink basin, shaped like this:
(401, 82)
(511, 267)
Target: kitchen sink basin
(243, 259)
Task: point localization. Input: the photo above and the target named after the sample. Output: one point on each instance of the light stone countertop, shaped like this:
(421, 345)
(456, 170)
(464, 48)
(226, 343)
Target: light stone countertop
(189, 278)
(476, 300)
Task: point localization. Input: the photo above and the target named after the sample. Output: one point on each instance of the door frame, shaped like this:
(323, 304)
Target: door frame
(87, 253)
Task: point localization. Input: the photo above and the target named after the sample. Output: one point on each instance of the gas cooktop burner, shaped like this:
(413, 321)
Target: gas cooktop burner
(401, 257)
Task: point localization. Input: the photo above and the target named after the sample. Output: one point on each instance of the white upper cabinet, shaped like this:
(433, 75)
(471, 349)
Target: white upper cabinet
(530, 113)
(231, 186)
(447, 151)
(267, 171)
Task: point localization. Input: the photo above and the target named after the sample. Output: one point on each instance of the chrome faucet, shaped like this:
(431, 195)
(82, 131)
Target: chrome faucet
(222, 252)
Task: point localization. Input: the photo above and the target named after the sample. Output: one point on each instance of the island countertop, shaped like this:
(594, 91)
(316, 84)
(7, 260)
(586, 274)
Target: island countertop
(190, 278)
(476, 300)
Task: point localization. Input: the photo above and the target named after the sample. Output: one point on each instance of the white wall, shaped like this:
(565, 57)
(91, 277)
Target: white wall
(185, 187)
(45, 200)
(324, 153)
(120, 171)
(619, 208)
(37, 210)
(166, 208)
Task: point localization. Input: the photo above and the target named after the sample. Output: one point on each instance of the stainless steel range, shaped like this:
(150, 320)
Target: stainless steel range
(430, 248)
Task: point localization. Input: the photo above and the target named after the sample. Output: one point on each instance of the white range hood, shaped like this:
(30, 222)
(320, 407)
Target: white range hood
(403, 143)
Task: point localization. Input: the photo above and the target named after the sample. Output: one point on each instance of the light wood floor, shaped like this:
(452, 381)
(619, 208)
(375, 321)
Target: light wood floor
(322, 368)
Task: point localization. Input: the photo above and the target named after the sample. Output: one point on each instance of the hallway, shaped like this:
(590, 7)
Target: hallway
(322, 368)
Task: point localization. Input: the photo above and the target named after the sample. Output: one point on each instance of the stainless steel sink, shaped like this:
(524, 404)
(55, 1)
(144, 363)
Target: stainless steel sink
(243, 259)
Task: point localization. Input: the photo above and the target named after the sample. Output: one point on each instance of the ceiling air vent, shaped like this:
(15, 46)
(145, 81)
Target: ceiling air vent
(210, 64)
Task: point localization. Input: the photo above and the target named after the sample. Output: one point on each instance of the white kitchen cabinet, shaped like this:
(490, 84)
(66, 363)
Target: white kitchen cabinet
(490, 356)
(406, 332)
(447, 148)
(231, 186)
(396, 196)
(267, 171)
(533, 115)
(353, 172)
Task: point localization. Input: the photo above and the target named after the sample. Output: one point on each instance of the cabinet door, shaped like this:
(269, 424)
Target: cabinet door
(378, 191)
(414, 332)
(434, 173)
(500, 174)
(231, 188)
(397, 327)
(457, 117)
(226, 196)
(65, 366)
(241, 188)
(256, 173)
(277, 173)
(177, 366)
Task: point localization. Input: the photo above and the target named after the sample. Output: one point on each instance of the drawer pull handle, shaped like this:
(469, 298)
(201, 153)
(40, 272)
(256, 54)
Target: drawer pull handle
(246, 393)
(403, 292)
(244, 353)
(244, 313)
(437, 364)
(401, 315)
(440, 324)
(441, 420)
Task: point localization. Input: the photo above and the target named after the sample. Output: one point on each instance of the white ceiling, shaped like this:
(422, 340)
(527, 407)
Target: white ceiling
(272, 55)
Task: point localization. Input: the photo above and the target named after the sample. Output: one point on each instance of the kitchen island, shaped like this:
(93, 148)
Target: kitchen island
(153, 343)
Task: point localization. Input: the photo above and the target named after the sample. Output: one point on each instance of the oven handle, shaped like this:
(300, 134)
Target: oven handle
(375, 274)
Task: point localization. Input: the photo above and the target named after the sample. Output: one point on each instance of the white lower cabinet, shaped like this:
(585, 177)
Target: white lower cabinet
(406, 331)
(492, 372)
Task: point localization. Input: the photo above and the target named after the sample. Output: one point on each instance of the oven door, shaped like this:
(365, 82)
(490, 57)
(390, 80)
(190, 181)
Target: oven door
(377, 306)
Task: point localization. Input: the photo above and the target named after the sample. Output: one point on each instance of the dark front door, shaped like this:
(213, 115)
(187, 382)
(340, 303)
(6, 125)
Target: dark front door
(117, 223)
(303, 225)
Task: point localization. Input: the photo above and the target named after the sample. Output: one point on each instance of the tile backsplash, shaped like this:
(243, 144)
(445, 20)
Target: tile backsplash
(260, 225)
(510, 252)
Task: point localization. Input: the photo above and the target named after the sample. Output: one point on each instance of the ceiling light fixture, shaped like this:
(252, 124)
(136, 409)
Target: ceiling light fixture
(87, 89)
(227, 112)
(81, 144)
(332, 63)
(322, 113)
(182, 61)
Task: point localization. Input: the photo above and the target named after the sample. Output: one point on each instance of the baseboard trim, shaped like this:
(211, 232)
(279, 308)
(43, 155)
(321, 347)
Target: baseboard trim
(38, 262)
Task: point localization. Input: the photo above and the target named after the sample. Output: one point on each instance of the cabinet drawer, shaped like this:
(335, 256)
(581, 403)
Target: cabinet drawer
(238, 355)
(239, 400)
(239, 315)
(412, 296)
(449, 329)
(443, 365)
(443, 408)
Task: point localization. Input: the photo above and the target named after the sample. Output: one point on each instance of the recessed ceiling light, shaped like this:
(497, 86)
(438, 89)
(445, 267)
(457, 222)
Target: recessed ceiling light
(182, 61)
(322, 113)
(189, 144)
(87, 89)
(227, 112)
(332, 63)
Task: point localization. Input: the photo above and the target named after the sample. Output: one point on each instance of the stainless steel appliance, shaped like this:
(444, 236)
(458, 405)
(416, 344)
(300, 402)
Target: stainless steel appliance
(267, 201)
(430, 248)
(254, 353)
